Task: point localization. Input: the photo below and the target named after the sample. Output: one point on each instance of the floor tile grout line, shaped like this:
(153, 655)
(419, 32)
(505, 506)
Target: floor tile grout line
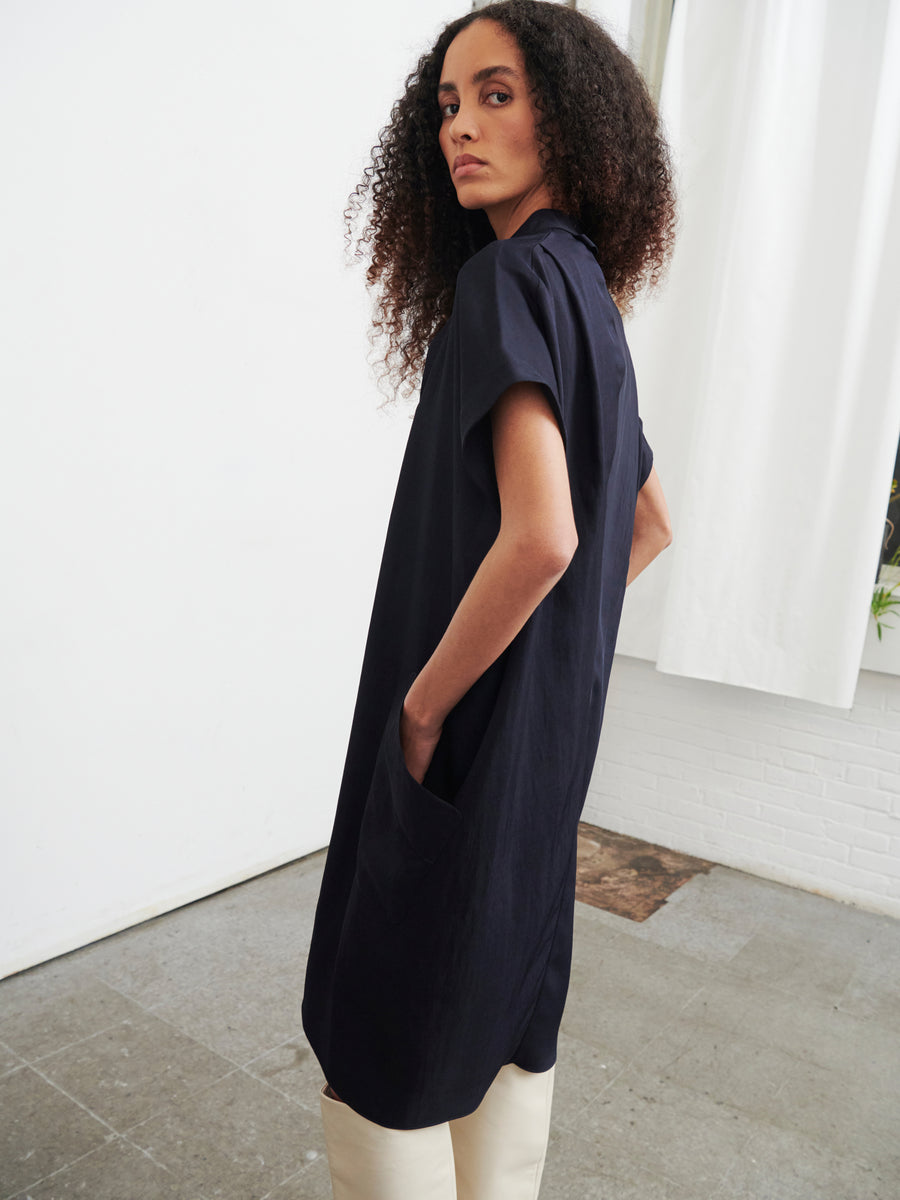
(116, 1137)
(783, 1125)
(111, 1136)
(632, 1061)
(310, 1108)
(128, 1021)
(65, 1166)
(146, 1153)
(205, 1087)
(615, 1177)
(723, 969)
(33, 1062)
(804, 1136)
(74, 1099)
(290, 1179)
(177, 1028)
(798, 1131)
(106, 1028)
(806, 997)
(192, 1092)
(126, 1130)
(189, 1091)
(20, 1061)
(278, 1046)
(150, 1011)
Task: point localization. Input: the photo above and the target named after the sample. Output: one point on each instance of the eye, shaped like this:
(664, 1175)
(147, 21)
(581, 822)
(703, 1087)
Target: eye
(503, 97)
(448, 105)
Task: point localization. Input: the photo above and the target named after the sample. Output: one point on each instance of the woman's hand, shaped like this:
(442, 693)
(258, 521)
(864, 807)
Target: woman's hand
(417, 740)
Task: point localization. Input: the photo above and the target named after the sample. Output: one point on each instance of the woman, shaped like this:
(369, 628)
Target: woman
(521, 186)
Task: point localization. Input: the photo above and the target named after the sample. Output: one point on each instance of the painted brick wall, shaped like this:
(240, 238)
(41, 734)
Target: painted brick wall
(787, 789)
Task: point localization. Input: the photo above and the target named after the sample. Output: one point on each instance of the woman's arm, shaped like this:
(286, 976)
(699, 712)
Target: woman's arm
(652, 527)
(535, 545)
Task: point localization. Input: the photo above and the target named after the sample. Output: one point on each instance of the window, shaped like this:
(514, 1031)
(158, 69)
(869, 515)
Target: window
(886, 592)
(889, 567)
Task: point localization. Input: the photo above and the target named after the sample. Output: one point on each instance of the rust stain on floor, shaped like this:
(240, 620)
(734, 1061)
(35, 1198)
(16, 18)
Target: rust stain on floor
(629, 877)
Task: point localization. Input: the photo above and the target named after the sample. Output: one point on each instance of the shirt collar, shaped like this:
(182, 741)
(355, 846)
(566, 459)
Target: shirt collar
(543, 219)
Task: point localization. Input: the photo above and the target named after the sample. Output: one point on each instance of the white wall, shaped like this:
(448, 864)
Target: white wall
(801, 793)
(195, 479)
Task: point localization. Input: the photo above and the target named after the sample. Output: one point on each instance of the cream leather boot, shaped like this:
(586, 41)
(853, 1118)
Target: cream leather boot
(370, 1162)
(499, 1149)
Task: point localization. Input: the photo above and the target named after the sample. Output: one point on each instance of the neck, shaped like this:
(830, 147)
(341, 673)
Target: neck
(507, 216)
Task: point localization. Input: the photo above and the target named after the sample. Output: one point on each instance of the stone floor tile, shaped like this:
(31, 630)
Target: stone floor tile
(235, 1140)
(622, 993)
(291, 1069)
(852, 1116)
(115, 1171)
(182, 951)
(134, 1069)
(829, 924)
(239, 1016)
(637, 960)
(261, 926)
(873, 992)
(44, 1011)
(695, 934)
(582, 1072)
(720, 1064)
(312, 1183)
(669, 1130)
(9, 1060)
(152, 962)
(41, 1130)
(780, 1164)
(576, 1169)
(732, 897)
(806, 1030)
(590, 915)
(791, 963)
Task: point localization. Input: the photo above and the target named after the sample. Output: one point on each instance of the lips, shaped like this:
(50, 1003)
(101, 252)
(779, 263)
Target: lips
(467, 164)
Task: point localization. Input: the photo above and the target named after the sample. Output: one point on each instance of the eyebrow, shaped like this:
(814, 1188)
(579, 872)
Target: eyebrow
(481, 76)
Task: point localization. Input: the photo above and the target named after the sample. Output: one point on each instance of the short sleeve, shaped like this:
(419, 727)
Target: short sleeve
(505, 323)
(645, 456)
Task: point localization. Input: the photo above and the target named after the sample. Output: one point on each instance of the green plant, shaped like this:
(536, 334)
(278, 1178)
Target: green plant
(884, 600)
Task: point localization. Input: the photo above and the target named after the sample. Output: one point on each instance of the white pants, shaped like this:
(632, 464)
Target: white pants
(495, 1153)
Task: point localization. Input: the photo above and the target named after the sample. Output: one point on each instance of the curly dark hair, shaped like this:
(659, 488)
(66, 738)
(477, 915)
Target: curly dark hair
(605, 160)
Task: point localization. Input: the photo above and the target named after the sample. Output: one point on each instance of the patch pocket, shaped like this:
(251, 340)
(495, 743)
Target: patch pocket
(405, 828)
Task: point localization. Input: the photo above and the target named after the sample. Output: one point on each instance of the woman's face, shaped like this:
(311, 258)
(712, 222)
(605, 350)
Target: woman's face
(488, 130)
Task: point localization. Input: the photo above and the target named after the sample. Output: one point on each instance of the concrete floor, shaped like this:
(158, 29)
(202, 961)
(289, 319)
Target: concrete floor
(742, 1043)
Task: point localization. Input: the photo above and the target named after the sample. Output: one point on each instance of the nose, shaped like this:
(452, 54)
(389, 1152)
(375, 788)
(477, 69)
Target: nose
(463, 127)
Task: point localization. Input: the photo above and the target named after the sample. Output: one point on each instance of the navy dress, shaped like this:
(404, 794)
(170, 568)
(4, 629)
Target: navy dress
(442, 941)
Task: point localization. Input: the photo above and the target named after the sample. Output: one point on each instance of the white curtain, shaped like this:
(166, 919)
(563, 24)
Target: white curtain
(641, 28)
(768, 369)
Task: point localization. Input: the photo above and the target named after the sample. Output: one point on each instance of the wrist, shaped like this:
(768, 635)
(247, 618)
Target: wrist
(424, 719)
